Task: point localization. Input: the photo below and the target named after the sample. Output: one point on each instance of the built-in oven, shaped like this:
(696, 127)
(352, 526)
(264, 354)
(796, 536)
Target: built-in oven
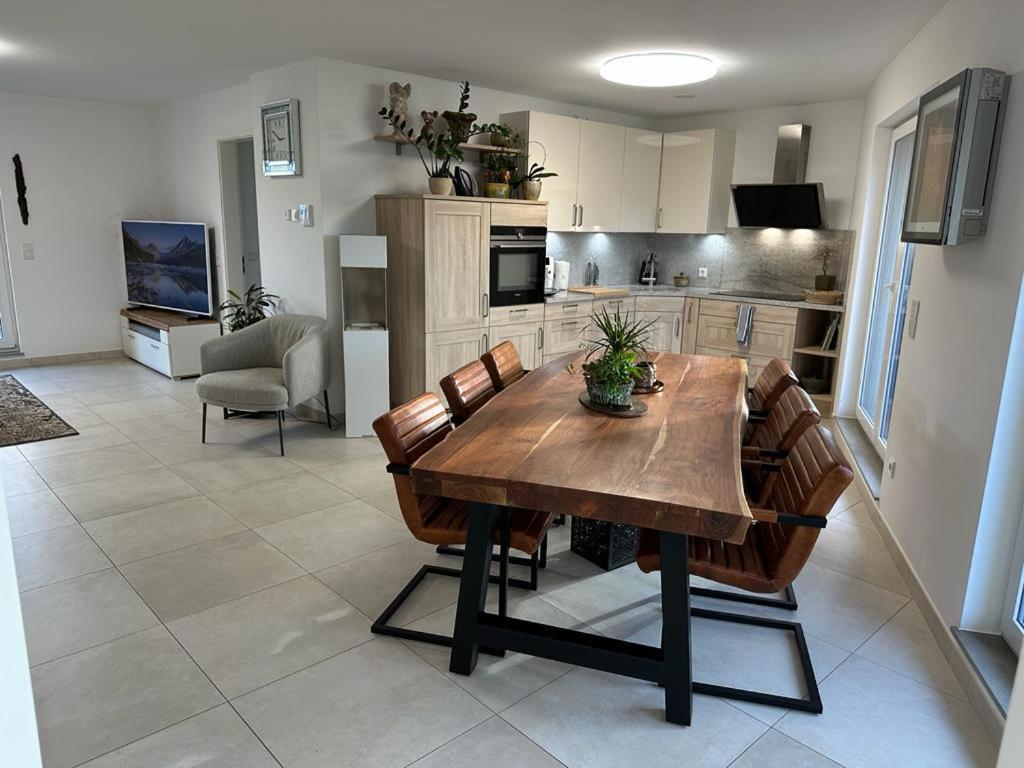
(518, 258)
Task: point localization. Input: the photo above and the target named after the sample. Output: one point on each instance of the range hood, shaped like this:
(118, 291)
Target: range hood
(788, 202)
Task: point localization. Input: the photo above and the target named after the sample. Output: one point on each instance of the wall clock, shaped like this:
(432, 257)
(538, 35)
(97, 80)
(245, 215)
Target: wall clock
(281, 142)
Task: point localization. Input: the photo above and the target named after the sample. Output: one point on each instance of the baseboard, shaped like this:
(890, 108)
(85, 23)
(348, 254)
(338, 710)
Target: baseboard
(975, 688)
(10, 363)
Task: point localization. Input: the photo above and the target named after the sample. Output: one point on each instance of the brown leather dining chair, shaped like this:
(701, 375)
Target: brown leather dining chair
(504, 365)
(407, 433)
(778, 544)
(775, 379)
(467, 390)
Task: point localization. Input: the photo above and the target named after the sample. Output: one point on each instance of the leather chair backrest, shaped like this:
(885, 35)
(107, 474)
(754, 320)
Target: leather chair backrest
(406, 433)
(775, 379)
(812, 478)
(504, 365)
(467, 390)
(793, 414)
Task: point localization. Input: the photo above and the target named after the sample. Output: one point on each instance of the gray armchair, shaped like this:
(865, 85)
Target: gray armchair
(272, 365)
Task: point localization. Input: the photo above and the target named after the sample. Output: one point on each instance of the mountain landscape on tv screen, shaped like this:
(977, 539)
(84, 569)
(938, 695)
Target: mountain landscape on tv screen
(166, 265)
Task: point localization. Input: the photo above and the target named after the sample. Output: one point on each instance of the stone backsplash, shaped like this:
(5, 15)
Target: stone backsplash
(781, 260)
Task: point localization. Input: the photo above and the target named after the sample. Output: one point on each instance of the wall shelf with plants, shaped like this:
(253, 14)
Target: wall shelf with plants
(399, 141)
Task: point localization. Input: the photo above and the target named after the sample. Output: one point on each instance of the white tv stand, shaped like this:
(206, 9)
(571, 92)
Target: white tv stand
(167, 342)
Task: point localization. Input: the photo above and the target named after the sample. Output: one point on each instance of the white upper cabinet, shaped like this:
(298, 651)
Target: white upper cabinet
(696, 173)
(641, 171)
(599, 186)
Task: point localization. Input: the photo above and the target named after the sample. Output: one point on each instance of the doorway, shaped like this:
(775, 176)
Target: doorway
(893, 272)
(8, 324)
(241, 235)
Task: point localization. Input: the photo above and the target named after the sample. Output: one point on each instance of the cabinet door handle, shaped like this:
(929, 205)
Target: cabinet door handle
(540, 337)
(513, 311)
(567, 307)
(154, 346)
(487, 305)
(131, 336)
(660, 219)
(572, 221)
(689, 313)
(487, 344)
(580, 222)
(570, 323)
(678, 324)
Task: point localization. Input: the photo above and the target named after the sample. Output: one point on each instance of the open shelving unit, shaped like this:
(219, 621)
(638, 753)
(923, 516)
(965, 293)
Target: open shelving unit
(400, 142)
(810, 360)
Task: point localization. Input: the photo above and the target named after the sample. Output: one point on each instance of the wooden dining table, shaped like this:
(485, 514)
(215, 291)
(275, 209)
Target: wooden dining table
(676, 469)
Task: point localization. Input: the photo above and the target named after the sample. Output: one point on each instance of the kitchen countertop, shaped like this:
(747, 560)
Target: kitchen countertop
(691, 292)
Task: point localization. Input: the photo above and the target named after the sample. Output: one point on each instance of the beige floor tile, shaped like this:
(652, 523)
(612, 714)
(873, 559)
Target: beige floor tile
(344, 713)
(50, 556)
(313, 445)
(117, 394)
(20, 478)
(216, 474)
(94, 465)
(9, 454)
(774, 750)
(858, 552)
(335, 534)
(499, 682)
(161, 528)
(105, 697)
(857, 514)
(386, 501)
(360, 477)
(87, 439)
(81, 417)
(193, 579)
(124, 493)
(848, 498)
(79, 613)
(874, 716)
(153, 427)
(260, 638)
(493, 742)
(136, 409)
(589, 719)
(35, 512)
(372, 581)
(279, 499)
(220, 442)
(907, 645)
(215, 739)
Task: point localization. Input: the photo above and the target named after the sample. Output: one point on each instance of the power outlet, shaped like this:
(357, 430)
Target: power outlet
(28, 251)
(702, 271)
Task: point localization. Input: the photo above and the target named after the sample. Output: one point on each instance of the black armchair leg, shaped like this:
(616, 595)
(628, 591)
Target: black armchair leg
(280, 430)
(327, 409)
(204, 422)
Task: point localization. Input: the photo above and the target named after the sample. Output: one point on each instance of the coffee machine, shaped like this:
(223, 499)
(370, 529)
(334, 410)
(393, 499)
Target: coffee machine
(649, 269)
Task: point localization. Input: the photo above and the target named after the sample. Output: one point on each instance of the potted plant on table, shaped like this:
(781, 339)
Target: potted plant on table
(610, 367)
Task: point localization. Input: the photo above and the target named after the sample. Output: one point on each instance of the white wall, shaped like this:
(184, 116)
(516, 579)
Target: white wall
(187, 134)
(19, 740)
(1012, 748)
(832, 159)
(951, 378)
(87, 166)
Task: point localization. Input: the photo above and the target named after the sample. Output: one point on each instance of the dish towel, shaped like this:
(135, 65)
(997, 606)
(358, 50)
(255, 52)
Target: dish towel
(744, 321)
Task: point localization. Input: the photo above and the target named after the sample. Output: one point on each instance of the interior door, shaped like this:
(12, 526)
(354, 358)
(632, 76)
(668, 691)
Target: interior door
(641, 175)
(599, 188)
(687, 170)
(8, 324)
(555, 144)
(893, 272)
(457, 264)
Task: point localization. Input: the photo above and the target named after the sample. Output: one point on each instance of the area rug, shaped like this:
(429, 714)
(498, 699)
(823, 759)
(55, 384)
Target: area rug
(24, 418)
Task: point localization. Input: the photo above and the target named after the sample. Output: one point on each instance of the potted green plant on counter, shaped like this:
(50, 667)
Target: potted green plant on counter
(498, 170)
(610, 367)
(824, 281)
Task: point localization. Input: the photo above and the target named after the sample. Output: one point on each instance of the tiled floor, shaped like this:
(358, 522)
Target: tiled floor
(210, 606)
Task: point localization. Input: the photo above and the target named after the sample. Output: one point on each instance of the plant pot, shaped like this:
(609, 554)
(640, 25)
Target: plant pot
(496, 189)
(459, 124)
(441, 185)
(824, 282)
(531, 190)
(681, 281)
(650, 374)
(500, 140)
(603, 393)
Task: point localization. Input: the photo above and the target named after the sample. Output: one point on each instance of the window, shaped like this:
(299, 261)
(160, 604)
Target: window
(893, 272)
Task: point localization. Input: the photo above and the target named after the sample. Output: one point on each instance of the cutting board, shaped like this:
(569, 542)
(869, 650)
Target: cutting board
(600, 291)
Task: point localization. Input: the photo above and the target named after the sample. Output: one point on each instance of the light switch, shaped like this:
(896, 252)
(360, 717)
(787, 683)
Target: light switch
(287, 214)
(28, 251)
(306, 214)
(295, 214)
(915, 310)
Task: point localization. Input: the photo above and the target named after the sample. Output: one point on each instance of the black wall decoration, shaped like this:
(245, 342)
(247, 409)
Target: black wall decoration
(19, 181)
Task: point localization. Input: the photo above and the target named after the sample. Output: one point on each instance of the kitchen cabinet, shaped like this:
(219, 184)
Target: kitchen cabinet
(641, 174)
(666, 331)
(588, 158)
(565, 335)
(450, 350)
(456, 264)
(528, 338)
(691, 311)
(611, 306)
(696, 178)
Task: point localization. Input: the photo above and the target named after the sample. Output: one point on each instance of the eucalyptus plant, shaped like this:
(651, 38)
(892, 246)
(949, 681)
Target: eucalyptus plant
(255, 304)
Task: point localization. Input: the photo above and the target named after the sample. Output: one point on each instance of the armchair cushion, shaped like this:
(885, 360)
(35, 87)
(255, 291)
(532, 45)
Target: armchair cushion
(250, 389)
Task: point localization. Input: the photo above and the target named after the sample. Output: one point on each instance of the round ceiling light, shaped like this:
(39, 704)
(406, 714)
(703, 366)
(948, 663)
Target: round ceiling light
(658, 70)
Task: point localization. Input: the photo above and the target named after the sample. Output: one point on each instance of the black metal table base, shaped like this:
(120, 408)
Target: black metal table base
(670, 666)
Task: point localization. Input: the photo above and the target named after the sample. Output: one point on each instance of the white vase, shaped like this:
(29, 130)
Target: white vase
(531, 190)
(440, 186)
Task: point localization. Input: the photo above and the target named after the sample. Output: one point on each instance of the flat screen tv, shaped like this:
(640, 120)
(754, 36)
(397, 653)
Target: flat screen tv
(167, 265)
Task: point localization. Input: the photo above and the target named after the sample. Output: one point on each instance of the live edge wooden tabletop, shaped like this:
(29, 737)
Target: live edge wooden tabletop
(677, 468)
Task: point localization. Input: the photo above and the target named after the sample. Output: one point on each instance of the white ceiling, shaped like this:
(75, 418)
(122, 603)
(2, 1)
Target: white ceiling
(770, 52)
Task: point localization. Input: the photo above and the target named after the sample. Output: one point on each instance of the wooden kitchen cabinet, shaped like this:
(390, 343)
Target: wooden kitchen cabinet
(691, 312)
(666, 333)
(599, 186)
(641, 174)
(565, 335)
(528, 338)
(696, 174)
(449, 350)
(457, 259)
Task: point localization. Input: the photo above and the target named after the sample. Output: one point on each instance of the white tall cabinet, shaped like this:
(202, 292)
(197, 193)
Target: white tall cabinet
(641, 174)
(696, 173)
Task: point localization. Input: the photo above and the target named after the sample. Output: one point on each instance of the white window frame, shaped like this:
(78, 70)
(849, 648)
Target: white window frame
(1011, 629)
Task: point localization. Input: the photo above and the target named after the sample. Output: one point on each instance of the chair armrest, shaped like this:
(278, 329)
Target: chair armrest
(397, 469)
(246, 348)
(762, 466)
(762, 515)
(306, 368)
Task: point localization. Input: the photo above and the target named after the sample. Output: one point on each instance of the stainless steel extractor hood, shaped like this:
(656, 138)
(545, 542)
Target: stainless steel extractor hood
(789, 202)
